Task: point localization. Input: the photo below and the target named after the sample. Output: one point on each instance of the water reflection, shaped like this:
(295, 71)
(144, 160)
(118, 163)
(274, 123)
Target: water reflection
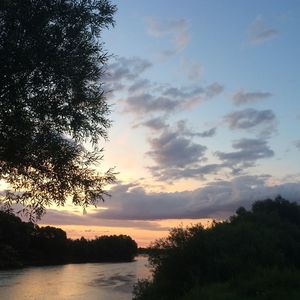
(73, 281)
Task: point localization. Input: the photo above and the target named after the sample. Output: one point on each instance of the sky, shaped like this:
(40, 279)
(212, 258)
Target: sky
(205, 100)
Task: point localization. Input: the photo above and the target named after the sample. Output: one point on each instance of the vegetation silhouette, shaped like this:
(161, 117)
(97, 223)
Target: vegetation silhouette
(253, 255)
(23, 244)
(52, 101)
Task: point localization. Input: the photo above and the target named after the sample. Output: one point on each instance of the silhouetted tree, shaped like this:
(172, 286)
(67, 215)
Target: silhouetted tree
(23, 243)
(50, 243)
(260, 247)
(15, 232)
(52, 101)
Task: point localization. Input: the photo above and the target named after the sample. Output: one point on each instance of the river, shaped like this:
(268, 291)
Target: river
(91, 281)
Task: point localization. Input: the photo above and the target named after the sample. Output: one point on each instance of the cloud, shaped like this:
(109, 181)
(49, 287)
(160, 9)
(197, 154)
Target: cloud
(183, 158)
(260, 33)
(185, 131)
(217, 199)
(176, 30)
(208, 133)
(123, 70)
(63, 217)
(252, 119)
(167, 99)
(127, 68)
(142, 96)
(243, 97)
(175, 153)
(195, 171)
(160, 28)
(181, 40)
(132, 207)
(173, 150)
(191, 68)
(144, 103)
(297, 144)
(248, 152)
(214, 89)
(139, 86)
(157, 123)
(177, 156)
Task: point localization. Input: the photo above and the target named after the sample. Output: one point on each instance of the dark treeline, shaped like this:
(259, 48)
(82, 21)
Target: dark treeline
(23, 243)
(253, 255)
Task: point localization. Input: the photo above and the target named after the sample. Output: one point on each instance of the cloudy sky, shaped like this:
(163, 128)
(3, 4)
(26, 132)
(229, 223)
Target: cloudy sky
(205, 99)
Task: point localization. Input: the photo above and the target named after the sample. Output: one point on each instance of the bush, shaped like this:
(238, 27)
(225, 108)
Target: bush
(219, 262)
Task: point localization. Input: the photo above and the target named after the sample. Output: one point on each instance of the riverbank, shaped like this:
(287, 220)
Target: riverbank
(27, 244)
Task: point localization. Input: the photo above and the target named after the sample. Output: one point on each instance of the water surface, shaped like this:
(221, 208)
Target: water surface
(73, 281)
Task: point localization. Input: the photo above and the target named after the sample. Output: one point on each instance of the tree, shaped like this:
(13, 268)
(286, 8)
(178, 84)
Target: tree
(255, 254)
(25, 243)
(52, 101)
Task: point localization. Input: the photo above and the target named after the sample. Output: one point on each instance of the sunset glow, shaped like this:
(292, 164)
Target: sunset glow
(205, 109)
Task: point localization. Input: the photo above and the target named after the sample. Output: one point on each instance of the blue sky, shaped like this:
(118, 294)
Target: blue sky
(221, 42)
(205, 99)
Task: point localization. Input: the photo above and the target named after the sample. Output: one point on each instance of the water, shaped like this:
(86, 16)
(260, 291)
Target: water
(105, 281)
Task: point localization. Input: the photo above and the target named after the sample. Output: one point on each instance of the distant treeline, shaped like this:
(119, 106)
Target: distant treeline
(253, 255)
(23, 243)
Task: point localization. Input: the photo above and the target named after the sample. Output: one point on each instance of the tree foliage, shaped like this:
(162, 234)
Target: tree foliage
(235, 259)
(25, 243)
(52, 100)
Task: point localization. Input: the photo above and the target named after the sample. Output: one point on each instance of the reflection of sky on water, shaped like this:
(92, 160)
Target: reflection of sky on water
(73, 281)
(119, 282)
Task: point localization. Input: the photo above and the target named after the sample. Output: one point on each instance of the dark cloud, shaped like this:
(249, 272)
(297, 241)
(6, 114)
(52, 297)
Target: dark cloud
(206, 92)
(144, 103)
(127, 68)
(297, 144)
(139, 86)
(217, 199)
(175, 153)
(185, 131)
(261, 120)
(131, 206)
(248, 152)
(168, 99)
(213, 90)
(173, 150)
(259, 32)
(123, 70)
(144, 97)
(243, 97)
(176, 93)
(208, 133)
(197, 171)
(157, 123)
(58, 217)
